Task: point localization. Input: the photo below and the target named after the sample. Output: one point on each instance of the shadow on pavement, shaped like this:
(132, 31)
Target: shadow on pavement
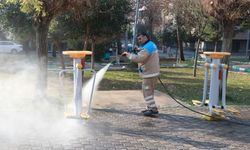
(178, 128)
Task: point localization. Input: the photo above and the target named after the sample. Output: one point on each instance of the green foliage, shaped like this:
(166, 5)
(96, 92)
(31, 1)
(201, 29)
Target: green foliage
(74, 44)
(212, 30)
(16, 22)
(105, 19)
(99, 51)
(245, 25)
(191, 19)
(169, 34)
(110, 17)
(66, 26)
(29, 6)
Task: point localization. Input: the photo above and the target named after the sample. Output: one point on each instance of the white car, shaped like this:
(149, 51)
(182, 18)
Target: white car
(10, 47)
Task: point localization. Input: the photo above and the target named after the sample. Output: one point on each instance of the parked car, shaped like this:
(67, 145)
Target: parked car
(10, 47)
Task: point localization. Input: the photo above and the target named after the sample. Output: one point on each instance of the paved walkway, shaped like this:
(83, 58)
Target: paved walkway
(116, 123)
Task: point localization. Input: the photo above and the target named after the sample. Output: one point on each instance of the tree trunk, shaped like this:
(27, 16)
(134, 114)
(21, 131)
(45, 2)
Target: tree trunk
(26, 46)
(86, 38)
(247, 45)
(53, 50)
(93, 53)
(215, 46)
(85, 47)
(179, 43)
(228, 34)
(196, 57)
(59, 48)
(181, 51)
(150, 24)
(42, 53)
(119, 45)
(126, 40)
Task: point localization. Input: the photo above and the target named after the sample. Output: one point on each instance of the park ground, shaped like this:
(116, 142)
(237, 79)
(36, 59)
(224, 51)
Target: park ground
(115, 121)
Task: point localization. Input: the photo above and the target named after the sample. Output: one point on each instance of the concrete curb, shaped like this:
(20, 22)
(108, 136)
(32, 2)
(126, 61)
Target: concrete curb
(240, 69)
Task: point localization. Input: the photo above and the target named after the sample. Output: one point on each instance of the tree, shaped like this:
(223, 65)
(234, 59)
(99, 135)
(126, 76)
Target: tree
(42, 12)
(182, 14)
(102, 20)
(186, 15)
(168, 35)
(196, 23)
(149, 14)
(229, 13)
(19, 24)
(212, 31)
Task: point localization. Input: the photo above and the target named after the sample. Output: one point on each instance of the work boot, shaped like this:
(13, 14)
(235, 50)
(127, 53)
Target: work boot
(150, 112)
(146, 110)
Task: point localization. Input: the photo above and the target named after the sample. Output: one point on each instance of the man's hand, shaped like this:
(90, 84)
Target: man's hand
(124, 54)
(136, 49)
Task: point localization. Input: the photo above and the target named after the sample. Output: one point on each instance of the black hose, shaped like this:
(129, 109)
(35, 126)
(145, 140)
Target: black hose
(164, 87)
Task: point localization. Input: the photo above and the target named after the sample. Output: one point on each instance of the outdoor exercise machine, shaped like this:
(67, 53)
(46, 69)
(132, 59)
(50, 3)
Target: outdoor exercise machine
(218, 71)
(78, 69)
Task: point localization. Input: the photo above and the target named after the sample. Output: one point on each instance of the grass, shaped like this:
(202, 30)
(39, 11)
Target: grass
(181, 83)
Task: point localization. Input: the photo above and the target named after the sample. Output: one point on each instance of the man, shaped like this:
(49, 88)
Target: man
(149, 69)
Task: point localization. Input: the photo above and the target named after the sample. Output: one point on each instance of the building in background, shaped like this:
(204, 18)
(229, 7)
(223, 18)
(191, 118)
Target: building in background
(240, 43)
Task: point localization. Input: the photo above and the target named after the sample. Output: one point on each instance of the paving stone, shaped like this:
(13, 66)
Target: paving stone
(113, 126)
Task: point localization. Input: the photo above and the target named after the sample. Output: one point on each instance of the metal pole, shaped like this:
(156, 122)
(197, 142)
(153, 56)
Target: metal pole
(205, 84)
(135, 23)
(77, 87)
(214, 83)
(126, 39)
(224, 86)
(247, 49)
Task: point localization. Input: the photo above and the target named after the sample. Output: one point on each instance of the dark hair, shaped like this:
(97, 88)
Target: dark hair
(143, 34)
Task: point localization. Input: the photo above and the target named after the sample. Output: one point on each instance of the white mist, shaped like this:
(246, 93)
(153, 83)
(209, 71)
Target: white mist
(23, 116)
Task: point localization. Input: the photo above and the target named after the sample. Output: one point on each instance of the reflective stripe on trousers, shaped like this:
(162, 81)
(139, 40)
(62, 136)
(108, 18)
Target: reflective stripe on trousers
(148, 87)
